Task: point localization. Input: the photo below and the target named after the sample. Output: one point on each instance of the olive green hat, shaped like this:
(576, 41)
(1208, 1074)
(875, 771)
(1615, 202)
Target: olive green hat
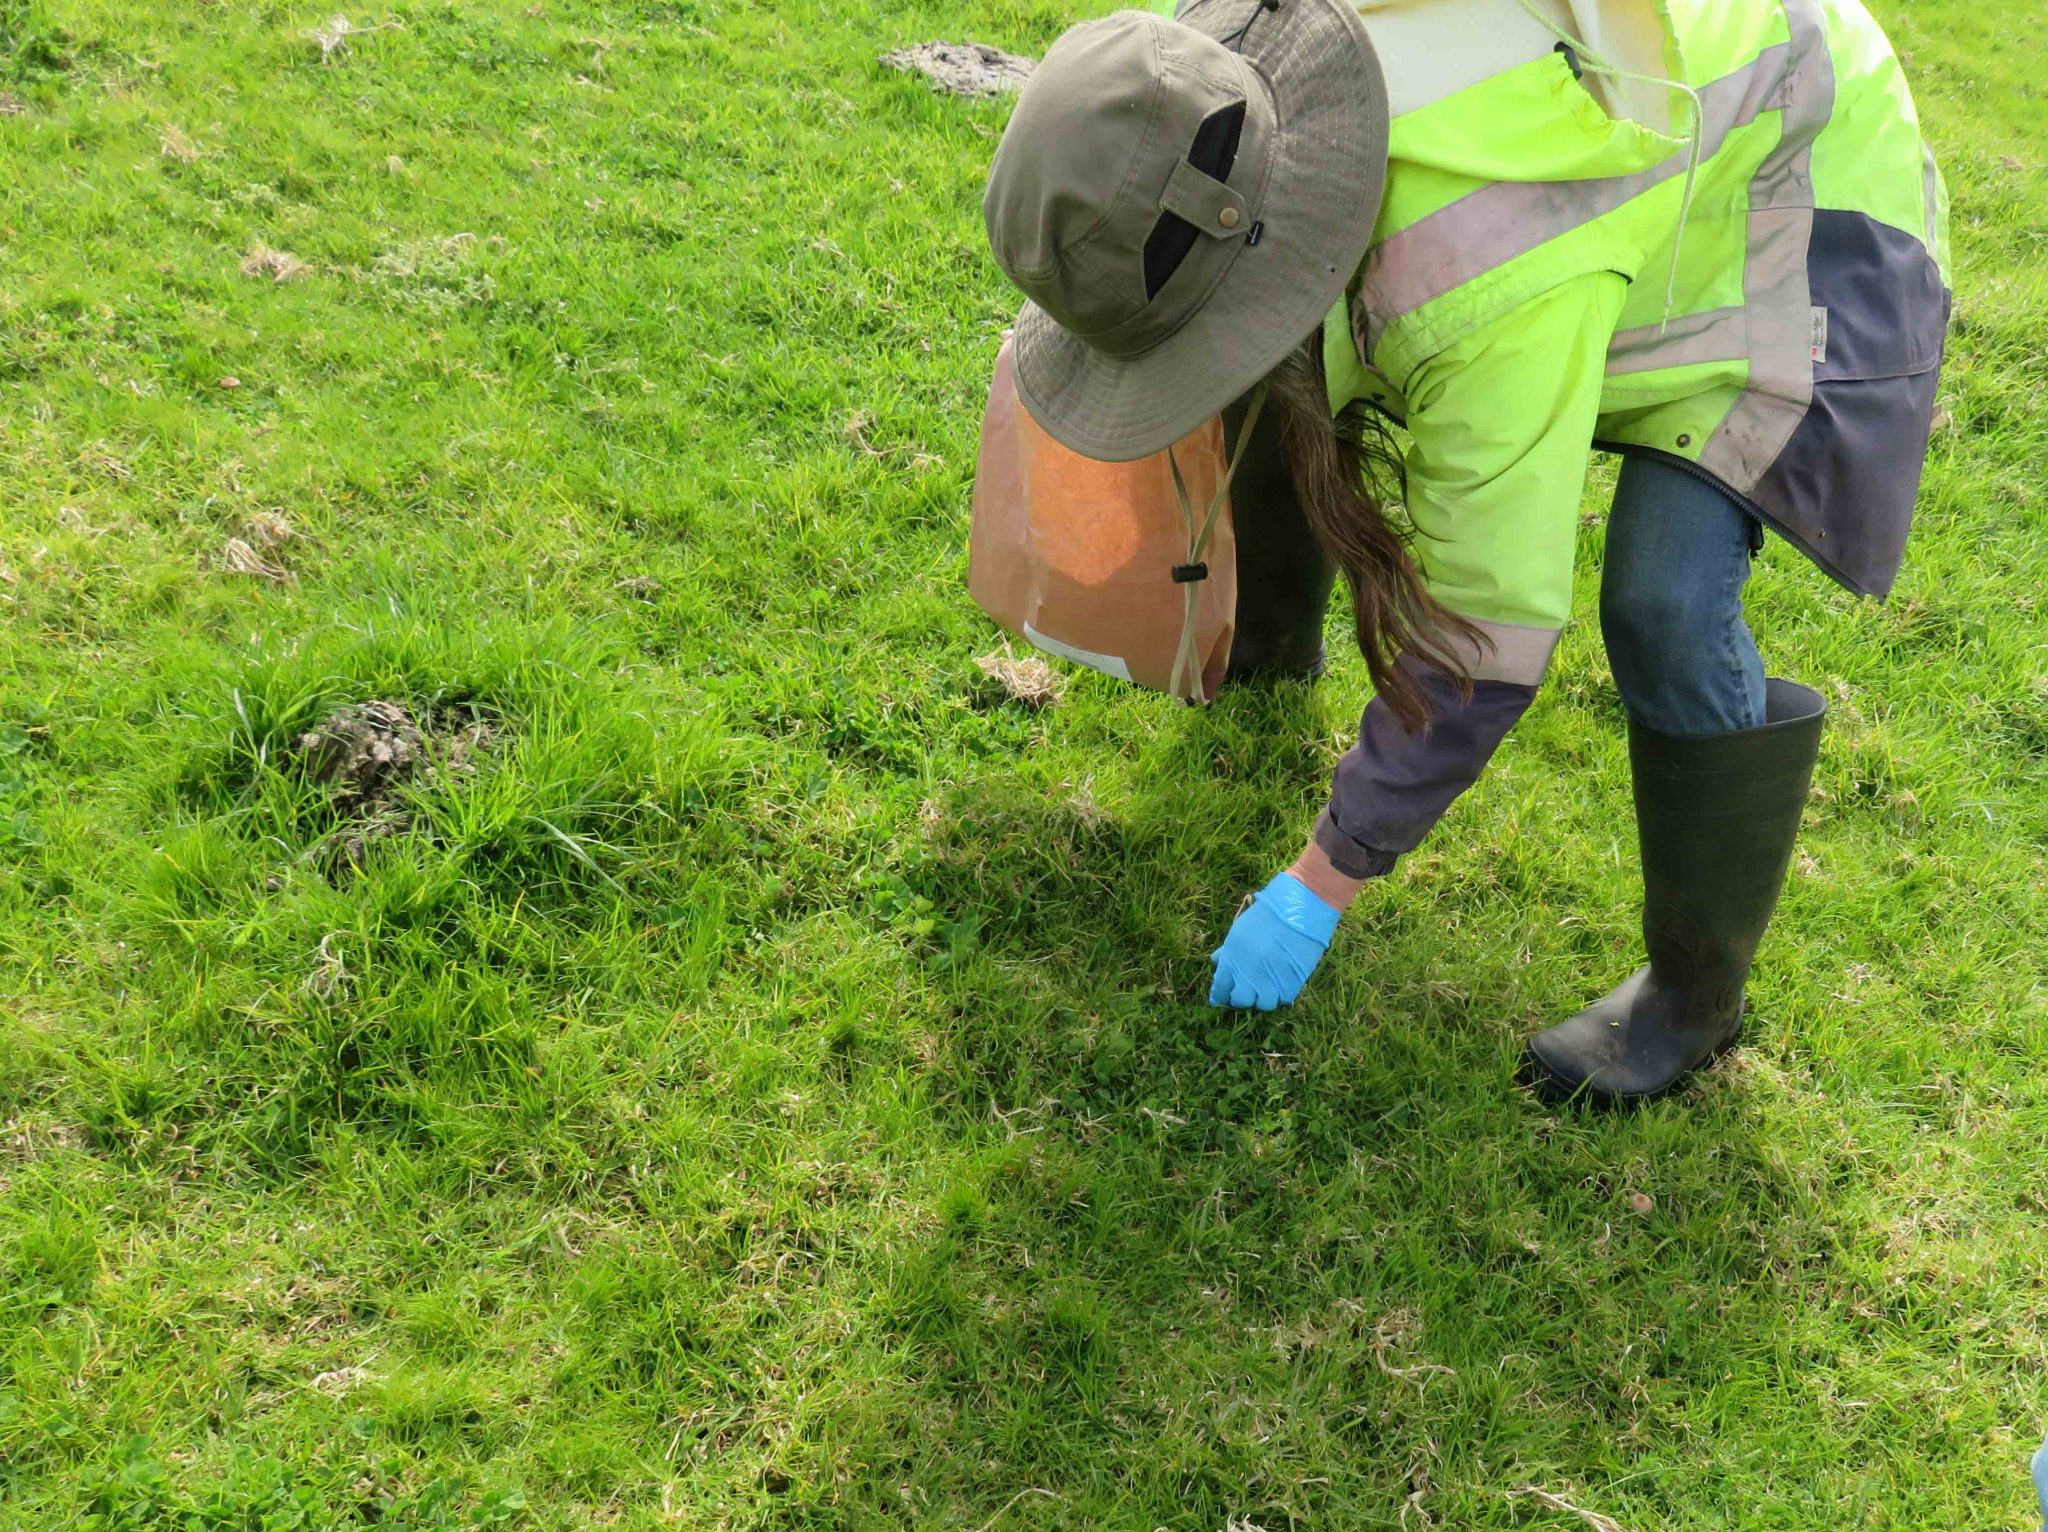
(1181, 202)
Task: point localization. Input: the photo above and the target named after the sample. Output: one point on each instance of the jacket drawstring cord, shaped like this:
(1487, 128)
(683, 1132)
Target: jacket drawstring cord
(1695, 137)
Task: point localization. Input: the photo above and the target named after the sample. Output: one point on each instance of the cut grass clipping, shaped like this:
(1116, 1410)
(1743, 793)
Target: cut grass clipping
(542, 987)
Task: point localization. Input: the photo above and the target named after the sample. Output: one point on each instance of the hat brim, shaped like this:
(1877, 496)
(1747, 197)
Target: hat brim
(1329, 168)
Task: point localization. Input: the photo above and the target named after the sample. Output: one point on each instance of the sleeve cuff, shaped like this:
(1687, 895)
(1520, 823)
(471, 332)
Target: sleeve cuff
(1352, 858)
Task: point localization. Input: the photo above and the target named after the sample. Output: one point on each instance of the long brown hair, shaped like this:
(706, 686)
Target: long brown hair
(1346, 470)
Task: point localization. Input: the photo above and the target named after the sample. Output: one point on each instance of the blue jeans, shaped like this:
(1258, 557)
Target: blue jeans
(1678, 552)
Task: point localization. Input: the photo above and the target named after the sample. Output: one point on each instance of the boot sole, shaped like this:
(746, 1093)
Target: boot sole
(1536, 1074)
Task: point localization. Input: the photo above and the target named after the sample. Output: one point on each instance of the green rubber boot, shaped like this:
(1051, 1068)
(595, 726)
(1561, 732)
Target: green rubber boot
(1716, 816)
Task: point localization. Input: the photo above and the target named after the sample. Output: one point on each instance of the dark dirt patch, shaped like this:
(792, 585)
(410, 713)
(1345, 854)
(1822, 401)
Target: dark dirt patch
(971, 70)
(364, 750)
(368, 752)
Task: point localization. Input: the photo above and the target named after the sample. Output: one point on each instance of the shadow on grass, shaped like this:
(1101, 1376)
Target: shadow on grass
(1324, 1267)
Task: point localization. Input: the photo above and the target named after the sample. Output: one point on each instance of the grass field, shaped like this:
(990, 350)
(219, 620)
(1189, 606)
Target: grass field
(767, 1085)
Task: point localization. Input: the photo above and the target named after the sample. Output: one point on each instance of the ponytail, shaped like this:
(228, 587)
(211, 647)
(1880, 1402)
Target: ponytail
(1346, 471)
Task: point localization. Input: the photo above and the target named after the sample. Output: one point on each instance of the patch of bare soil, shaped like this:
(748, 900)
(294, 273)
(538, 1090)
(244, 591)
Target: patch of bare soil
(974, 71)
(368, 753)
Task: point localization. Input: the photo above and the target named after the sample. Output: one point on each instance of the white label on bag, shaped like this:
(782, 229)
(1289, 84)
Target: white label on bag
(1108, 664)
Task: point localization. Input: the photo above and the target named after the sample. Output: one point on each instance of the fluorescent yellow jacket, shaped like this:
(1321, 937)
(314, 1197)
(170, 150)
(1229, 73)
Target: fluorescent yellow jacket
(1545, 276)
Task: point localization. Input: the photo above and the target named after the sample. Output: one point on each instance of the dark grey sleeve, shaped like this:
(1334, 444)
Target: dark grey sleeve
(1395, 783)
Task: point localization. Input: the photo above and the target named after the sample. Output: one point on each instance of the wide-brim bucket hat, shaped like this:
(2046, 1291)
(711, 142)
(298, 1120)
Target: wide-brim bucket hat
(1181, 201)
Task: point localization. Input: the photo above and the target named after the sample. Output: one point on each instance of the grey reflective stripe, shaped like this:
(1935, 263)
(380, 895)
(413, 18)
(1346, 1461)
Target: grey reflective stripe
(1764, 416)
(1774, 285)
(1505, 652)
(1716, 335)
(1489, 227)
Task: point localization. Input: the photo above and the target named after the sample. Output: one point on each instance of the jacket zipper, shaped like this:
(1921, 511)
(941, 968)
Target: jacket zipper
(1754, 511)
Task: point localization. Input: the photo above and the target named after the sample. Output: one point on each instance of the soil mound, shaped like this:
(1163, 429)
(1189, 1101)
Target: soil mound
(971, 70)
(366, 753)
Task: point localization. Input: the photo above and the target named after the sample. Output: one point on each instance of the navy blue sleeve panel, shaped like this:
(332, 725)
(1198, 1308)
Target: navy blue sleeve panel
(1392, 787)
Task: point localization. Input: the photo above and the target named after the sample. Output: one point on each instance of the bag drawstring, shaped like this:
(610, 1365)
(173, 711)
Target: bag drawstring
(1695, 136)
(1186, 681)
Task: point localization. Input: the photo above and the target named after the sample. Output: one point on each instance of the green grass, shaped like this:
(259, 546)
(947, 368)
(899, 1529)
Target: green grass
(772, 1090)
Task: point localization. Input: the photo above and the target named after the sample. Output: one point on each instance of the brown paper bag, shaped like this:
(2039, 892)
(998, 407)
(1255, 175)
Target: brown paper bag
(1079, 558)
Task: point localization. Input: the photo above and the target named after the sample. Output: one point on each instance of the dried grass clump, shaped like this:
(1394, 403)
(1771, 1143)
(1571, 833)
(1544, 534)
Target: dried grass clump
(278, 265)
(267, 529)
(332, 36)
(237, 556)
(176, 144)
(1030, 680)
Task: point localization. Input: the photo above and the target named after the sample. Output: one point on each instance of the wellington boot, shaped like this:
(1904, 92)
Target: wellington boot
(1283, 576)
(1716, 817)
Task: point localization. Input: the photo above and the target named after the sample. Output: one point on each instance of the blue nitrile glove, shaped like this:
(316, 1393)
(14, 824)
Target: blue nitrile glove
(1273, 946)
(2041, 1482)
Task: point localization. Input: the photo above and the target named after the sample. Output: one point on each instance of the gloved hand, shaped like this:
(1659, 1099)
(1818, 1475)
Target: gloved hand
(1273, 946)
(2041, 1482)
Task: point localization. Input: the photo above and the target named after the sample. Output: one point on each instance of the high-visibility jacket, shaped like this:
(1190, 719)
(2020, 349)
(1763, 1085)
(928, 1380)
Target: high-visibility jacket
(1545, 277)
(1795, 361)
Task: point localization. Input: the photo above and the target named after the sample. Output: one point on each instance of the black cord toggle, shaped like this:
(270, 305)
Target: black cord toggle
(1187, 574)
(1236, 39)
